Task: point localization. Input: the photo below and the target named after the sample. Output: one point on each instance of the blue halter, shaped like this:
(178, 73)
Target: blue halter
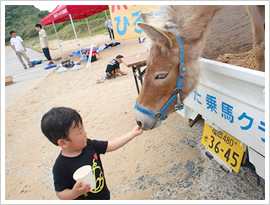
(176, 96)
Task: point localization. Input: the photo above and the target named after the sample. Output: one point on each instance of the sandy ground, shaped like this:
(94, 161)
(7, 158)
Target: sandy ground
(165, 163)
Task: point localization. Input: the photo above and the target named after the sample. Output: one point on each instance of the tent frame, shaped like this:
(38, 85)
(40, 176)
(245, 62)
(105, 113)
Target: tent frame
(73, 27)
(75, 34)
(58, 40)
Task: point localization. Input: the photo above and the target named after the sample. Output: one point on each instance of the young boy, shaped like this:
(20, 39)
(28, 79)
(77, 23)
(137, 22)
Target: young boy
(64, 127)
(113, 68)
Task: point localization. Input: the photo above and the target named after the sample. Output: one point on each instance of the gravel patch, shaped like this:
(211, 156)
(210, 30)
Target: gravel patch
(200, 179)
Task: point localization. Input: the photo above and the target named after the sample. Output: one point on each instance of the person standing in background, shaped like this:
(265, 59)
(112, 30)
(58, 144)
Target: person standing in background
(19, 48)
(44, 43)
(108, 24)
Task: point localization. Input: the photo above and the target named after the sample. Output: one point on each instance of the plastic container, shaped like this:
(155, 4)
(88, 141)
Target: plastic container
(85, 58)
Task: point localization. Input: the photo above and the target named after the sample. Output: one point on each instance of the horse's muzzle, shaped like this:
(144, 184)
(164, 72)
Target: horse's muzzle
(146, 122)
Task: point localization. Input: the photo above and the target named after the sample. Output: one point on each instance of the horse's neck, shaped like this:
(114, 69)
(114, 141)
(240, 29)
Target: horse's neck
(194, 24)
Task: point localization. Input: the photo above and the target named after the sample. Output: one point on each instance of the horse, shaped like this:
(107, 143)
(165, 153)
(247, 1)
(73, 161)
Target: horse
(177, 39)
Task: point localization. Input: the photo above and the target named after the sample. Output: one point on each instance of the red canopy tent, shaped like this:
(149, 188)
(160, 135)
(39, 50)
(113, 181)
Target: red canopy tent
(62, 13)
(72, 12)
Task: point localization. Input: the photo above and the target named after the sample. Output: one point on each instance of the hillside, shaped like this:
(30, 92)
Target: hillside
(22, 19)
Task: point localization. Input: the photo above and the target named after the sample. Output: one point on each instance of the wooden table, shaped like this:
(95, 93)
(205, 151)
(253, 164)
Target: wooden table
(136, 62)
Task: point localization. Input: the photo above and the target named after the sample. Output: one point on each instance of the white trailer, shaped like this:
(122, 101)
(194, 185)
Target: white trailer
(231, 100)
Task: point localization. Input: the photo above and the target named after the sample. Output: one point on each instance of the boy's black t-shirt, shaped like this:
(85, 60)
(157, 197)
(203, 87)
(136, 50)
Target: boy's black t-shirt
(64, 168)
(112, 65)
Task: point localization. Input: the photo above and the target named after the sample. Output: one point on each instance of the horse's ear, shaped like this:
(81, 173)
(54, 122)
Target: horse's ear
(145, 17)
(156, 34)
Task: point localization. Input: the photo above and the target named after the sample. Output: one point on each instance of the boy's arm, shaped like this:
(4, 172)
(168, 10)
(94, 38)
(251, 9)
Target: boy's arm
(120, 141)
(121, 72)
(77, 190)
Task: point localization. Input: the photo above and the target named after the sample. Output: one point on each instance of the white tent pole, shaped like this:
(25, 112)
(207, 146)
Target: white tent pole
(75, 33)
(88, 29)
(88, 26)
(106, 14)
(58, 40)
(90, 57)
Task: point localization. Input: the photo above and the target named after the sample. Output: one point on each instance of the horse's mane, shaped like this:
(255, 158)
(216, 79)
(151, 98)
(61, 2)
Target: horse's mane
(193, 23)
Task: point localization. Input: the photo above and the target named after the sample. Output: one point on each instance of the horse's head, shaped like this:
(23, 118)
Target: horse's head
(161, 79)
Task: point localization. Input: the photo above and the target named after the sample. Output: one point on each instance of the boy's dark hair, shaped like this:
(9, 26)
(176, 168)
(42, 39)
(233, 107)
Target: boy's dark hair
(55, 124)
(38, 25)
(119, 56)
(11, 32)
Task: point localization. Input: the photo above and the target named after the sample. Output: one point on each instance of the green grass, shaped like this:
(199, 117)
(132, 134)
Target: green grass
(67, 33)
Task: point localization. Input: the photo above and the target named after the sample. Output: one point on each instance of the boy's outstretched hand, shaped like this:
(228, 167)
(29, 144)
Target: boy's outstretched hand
(120, 141)
(137, 130)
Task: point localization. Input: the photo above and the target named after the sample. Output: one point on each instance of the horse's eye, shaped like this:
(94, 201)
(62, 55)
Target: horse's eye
(161, 76)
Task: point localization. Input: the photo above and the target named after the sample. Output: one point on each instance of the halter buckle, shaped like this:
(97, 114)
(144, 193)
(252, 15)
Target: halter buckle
(179, 105)
(182, 69)
(158, 116)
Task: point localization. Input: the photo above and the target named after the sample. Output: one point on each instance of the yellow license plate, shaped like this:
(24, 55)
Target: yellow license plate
(224, 146)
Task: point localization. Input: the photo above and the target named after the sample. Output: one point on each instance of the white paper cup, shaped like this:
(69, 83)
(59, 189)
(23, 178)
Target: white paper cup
(85, 175)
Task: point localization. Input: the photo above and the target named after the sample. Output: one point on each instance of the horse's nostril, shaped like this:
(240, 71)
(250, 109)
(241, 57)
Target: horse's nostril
(139, 123)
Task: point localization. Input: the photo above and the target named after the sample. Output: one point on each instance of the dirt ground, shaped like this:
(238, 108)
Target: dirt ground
(245, 59)
(166, 163)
